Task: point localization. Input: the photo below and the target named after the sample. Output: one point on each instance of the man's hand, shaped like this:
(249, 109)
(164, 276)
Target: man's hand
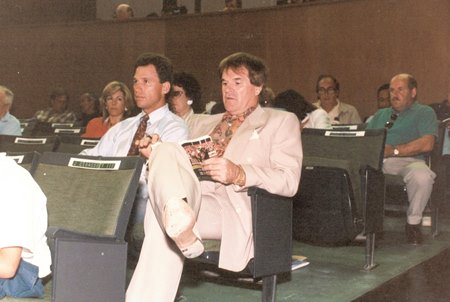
(221, 169)
(145, 144)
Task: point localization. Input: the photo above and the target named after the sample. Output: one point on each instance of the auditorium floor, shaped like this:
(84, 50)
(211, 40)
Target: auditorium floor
(404, 272)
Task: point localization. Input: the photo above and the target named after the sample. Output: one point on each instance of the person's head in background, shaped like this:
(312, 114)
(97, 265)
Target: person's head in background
(59, 99)
(6, 100)
(292, 101)
(383, 96)
(123, 12)
(327, 89)
(232, 5)
(89, 103)
(266, 97)
(185, 95)
(117, 101)
(403, 90)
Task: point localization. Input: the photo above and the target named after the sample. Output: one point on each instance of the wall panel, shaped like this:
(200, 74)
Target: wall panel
(362, 42)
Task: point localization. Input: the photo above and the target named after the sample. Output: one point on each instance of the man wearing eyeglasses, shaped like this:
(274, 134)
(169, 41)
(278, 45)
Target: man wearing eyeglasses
(327, 88)
(411, 132)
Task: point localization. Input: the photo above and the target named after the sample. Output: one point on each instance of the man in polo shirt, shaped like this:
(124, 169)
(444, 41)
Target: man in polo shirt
(411, 132)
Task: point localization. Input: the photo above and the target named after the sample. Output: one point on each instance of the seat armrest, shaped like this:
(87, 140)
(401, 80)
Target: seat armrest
(272, 232)
(56, 233)
(89, 270)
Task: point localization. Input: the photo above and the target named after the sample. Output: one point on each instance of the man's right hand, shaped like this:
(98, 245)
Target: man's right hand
(147, 143)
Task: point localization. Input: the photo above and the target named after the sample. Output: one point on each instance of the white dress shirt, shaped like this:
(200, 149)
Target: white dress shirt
(117, 141)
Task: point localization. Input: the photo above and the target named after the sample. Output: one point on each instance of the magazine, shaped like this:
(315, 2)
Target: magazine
(298, 261)
(199, 149)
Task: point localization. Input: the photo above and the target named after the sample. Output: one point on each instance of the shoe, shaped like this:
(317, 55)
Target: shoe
(179, 222)
(413, 234)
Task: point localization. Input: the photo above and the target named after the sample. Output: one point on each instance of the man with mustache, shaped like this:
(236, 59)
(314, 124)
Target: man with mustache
(411, 133)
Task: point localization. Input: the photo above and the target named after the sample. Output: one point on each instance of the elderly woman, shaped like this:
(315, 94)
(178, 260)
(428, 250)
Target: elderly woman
(185, 97)
(117, 104)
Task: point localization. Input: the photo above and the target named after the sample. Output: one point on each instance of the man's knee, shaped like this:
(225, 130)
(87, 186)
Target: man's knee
(420, 177)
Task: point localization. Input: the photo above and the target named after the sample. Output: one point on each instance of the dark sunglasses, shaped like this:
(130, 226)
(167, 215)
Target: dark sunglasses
(391, 121)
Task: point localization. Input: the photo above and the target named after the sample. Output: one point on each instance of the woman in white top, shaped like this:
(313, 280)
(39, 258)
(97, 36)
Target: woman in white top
(309, 115)
(184, 100)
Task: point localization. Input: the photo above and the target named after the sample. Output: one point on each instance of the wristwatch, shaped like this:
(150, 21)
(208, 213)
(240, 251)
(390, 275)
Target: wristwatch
(396, 152)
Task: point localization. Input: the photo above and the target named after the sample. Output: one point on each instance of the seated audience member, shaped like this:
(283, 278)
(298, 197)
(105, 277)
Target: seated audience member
(185, 98)
(9, 124)
(117, 104)
(383, 99)
(266, 97)
(89, 108)
(308, 115)
(123, 12)
(411, 132)
(283, 2)
(327, 88)
(24, 254)
(170, 7)
(231, 5)
(442, 109)
(152, 83)
(256, 147)
(58, 112)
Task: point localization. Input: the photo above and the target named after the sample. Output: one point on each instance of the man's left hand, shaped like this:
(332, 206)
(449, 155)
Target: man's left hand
(221, 169)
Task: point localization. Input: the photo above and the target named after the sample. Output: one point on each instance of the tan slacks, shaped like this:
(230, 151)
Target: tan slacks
(158, 272)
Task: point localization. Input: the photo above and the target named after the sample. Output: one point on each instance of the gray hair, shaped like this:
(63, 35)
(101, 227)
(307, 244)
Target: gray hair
(9, 95)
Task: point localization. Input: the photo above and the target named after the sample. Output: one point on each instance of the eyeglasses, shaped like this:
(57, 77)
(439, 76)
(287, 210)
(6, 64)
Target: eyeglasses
(329, 90)
(176, 93)
(391, 121)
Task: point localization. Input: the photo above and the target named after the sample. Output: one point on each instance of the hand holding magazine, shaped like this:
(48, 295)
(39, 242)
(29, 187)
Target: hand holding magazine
(198, 150)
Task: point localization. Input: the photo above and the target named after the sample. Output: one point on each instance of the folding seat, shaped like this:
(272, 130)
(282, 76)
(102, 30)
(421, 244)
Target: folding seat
(46, 129)
(41, 144)
(28, 160)
(75, 144)
(89, 201)
(341, 194)
(272, 236)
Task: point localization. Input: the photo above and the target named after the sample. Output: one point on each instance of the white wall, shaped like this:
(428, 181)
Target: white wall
(142, 8)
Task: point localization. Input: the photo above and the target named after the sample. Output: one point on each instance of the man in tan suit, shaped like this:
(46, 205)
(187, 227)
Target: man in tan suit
(256, 147)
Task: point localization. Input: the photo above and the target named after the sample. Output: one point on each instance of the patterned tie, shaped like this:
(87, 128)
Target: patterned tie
(140, 132)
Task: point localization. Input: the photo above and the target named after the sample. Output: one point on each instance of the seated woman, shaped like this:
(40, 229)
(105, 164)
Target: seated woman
(308, 115)
(185, 98)
(117, 104)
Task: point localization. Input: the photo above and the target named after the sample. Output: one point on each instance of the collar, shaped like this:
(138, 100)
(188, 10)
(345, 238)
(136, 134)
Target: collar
(156, 115)
(412, 107)
(6, 117)
(240, 117)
